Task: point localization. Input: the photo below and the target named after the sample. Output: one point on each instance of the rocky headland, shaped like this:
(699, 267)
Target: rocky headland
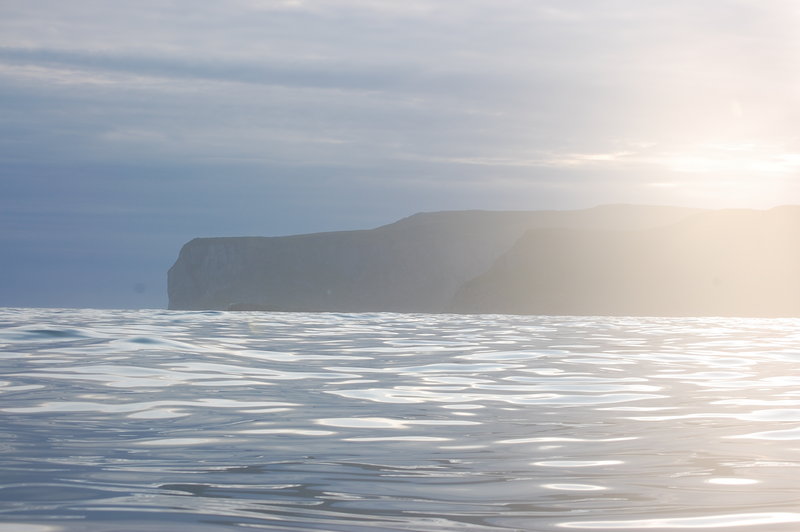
(608, 260)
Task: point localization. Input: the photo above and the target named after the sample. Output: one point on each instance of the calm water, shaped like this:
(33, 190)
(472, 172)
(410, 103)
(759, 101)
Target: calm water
(193, 421)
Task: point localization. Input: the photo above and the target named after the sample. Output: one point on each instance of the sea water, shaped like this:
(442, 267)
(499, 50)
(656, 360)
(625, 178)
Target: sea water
(196, 421)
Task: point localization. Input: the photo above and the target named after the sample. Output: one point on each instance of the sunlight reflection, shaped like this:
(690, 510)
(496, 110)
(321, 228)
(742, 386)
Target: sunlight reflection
(710, 521)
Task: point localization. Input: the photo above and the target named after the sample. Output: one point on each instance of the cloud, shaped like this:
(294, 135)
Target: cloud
(315, 74)
(473, 81)
(280, 116)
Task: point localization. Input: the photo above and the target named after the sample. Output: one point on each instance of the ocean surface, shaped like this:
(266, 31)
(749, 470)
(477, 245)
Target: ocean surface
(202, 421)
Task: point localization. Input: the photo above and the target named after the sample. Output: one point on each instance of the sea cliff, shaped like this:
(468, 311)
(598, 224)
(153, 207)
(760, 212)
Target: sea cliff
(422, 263)
(612, 260)
(716, 263)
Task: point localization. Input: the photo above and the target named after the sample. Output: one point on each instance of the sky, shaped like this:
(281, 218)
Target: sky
(128, 128)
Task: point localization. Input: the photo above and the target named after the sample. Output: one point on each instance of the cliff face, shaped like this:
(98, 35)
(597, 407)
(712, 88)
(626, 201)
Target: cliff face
(414, 265)
(718, 263)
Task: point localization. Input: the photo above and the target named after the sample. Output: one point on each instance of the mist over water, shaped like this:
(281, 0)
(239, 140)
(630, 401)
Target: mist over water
(166, 420)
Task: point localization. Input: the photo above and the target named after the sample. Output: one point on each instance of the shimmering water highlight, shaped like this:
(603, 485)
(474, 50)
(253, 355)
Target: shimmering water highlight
(164, 420)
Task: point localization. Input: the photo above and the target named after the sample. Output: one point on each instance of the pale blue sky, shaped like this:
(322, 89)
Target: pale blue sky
(130, 127)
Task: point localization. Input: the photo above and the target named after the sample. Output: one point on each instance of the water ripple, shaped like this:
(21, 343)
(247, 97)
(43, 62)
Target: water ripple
(289, 421)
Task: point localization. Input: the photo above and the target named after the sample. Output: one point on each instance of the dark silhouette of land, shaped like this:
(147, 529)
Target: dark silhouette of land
(720, 263)
(609, 260)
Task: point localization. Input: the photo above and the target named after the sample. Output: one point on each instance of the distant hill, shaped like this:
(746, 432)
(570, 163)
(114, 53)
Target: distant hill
(713, 263)
(417, 264)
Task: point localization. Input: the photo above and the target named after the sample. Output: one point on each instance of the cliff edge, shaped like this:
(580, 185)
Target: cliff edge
(716, 263)
(417, 264)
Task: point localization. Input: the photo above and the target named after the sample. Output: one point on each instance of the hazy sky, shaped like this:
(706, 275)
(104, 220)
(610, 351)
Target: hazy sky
(130, 127)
